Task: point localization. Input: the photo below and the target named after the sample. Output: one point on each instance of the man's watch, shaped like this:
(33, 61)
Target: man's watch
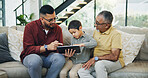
(96, 58)
(45, 46)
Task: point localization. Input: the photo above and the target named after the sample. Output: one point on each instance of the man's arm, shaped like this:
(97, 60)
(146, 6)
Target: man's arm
(113, 57)
(51, 46)
(115, 52)
(29, 41)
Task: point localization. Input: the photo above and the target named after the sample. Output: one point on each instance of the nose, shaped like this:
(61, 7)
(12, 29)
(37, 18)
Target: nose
(53, 21)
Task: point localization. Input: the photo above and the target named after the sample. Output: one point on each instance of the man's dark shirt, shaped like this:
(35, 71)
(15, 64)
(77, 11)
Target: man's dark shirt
(35, 37)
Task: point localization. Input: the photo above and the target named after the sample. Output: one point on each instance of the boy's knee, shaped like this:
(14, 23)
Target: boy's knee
(63, 74)
(73, 74)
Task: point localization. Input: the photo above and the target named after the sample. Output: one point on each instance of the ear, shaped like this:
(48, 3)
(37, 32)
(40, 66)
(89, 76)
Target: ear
(107, 26)
(41, 18)
(80, 28)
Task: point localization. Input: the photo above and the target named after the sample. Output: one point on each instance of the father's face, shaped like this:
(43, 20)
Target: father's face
(49, 20)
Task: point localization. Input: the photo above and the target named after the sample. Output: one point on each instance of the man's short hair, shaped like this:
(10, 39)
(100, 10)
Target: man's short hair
(46, 9)
(107, 15)
(74, 24)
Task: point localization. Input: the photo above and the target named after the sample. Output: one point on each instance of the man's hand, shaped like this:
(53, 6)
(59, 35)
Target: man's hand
(69, 53)
(89, 63)
(81, 45)
(53, 45)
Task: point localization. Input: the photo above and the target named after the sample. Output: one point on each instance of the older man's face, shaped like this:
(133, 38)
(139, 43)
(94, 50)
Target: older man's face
(101, 24)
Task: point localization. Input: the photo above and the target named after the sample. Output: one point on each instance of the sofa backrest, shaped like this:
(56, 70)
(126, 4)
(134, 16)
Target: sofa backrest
(143, 54)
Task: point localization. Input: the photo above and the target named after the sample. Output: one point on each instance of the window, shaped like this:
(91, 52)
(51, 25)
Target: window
(137, 13)
(53, 3)
(2, 14)
(85, 15)
(117, 7)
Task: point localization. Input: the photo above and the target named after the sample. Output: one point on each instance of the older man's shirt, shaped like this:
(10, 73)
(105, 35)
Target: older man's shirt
(85, 53)
(107, 41)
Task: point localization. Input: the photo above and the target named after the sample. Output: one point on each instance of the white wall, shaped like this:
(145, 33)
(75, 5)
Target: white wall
(31, 6)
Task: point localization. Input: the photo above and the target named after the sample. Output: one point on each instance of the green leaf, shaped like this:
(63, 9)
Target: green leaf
(31, 16)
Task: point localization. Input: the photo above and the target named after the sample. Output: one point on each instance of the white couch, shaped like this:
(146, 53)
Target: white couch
(137, 69)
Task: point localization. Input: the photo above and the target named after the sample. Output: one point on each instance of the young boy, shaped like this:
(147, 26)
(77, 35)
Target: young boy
(85, 42)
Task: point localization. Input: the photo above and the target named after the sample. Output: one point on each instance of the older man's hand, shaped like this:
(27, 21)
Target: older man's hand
(89, 63)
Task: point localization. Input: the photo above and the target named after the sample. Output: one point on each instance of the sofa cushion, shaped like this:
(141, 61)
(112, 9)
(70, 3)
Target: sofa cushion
(4, 50)
(136, 30)
(131, 44)
(137, 69)
(3, 74)
(66, 35)
(4, 30)
(17, 70)
(15, 42)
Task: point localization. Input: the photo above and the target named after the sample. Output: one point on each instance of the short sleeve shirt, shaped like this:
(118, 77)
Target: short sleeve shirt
(106, 41)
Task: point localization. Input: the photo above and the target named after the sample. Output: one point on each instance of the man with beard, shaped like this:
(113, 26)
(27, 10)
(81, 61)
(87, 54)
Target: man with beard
(40, 41)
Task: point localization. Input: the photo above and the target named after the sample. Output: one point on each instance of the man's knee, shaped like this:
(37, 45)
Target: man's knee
(82, 71)
(59, 58)
(33, 61)
(99, 65)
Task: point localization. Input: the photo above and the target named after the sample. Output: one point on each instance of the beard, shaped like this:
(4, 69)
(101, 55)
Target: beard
(51, 26)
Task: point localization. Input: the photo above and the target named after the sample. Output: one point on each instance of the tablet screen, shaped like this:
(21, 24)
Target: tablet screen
(61, 49)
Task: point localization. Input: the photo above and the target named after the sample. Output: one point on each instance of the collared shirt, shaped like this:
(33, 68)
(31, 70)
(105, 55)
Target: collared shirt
(106, 41)
(84, 55)
(35, 37)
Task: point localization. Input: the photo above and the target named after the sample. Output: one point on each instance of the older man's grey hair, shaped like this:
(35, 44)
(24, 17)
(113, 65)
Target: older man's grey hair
(107, 16)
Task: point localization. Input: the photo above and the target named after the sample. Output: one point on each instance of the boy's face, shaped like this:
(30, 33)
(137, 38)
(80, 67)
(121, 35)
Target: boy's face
(76, 33)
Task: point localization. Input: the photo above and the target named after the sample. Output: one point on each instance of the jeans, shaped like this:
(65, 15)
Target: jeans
(54, 62)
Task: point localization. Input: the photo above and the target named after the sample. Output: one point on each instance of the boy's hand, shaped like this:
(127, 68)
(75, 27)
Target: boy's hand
(81, 45)
(69, 53)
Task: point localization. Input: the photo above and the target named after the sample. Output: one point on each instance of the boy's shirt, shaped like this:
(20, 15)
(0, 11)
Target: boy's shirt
(85, 53)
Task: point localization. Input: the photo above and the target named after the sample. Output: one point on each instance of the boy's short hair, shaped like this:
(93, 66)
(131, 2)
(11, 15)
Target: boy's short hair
(74, 24)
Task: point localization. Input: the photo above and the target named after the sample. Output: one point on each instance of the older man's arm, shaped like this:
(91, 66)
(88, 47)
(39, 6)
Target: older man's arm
(113, 56)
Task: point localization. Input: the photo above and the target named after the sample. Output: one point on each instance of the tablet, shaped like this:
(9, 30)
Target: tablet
(61, 49)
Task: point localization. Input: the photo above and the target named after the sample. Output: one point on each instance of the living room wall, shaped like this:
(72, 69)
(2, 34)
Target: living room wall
(30, 6)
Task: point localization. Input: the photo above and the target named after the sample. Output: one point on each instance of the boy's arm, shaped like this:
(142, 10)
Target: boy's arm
(91, 43)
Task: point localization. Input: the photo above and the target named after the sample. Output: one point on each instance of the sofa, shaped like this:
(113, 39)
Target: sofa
(137, 69)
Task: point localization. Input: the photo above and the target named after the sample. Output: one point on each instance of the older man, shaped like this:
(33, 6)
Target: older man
(107, 54)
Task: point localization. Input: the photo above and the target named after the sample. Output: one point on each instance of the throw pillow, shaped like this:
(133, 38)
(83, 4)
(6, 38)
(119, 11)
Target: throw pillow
(66, 35)
(4, 50)
(131, 44)
(15, 42)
